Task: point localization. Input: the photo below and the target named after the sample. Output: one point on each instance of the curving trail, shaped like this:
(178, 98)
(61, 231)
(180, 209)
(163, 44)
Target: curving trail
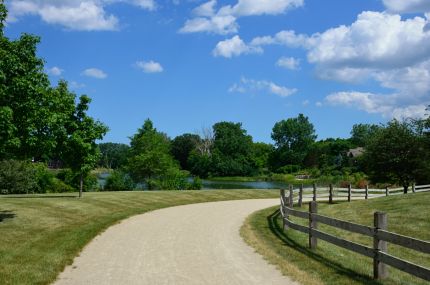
(191, 244)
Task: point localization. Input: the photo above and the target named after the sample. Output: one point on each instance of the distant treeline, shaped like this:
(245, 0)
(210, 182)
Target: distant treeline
(395, 153)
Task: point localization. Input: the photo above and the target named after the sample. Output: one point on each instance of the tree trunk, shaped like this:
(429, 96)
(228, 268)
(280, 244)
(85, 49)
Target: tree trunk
(405, 189)
(81, 184)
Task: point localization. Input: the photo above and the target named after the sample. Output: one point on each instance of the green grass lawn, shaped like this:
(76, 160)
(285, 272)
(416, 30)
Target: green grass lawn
(407, 214)
(41, 234)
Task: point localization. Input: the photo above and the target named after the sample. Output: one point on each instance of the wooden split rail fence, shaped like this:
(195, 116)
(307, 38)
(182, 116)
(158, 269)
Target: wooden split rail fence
(381, 237)
(331, 193)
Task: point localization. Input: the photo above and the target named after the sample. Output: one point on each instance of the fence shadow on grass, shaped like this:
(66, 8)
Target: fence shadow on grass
(4, 215)
(277, 230)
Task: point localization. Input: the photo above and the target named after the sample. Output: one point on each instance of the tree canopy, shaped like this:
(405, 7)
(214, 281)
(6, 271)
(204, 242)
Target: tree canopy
(232, 150)
(150, 156)
(293, 138)
(230, 153)
(40, 122)
(362, 133)
(113, 155)
(182, 146)
(397, 154)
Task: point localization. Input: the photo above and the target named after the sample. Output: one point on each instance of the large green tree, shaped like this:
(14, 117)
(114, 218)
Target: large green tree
(149, 156)
(261, 153)
(362, 133)
(232, 150)
(229, 152)
(38, 121)
(182, 146)
(113, 155)
(397, 154)
(25, 102)
(293, 139)
(328, 154)
(79, 150)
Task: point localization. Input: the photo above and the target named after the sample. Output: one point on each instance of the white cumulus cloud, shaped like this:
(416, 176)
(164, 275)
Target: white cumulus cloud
(76, 85)
(386, 105)
(378, 46)
(288, 38)
(145, 4)
(82, 15)
(407, 6)
(149, 66)
(95, 73)
(223, 21)
(289, 63)
(206, 9)
(258, 7)
(374, 40)
(56, 71)
(217, 24)
(234, 47)
(254, 86)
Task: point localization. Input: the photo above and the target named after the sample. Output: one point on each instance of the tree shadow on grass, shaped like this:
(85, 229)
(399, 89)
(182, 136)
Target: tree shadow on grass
(4, 215)
(277, 230)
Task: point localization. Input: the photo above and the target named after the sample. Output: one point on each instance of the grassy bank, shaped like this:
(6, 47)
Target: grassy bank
(407, 215)
(41, 234)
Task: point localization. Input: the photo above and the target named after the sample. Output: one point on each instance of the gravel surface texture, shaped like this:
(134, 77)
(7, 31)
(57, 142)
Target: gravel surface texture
(191, 244)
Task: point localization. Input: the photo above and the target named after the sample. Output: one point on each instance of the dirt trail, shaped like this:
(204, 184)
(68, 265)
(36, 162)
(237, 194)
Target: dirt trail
(192, 244)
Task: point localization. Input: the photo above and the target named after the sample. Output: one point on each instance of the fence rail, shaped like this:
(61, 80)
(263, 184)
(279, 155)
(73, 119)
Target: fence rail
(331, 193)
(381, 237)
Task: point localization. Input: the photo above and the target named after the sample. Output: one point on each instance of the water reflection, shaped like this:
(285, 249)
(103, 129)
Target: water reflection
(210, 184)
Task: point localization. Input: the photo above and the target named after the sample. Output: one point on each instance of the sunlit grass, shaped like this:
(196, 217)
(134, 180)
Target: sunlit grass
(408, 215)
(41, 234)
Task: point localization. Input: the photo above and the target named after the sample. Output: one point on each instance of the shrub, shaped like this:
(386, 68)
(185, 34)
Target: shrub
(17, 177)
(196, 184)
(58, 186)
(73, 180)
(173, 180)
(290, 168)
(119, 181)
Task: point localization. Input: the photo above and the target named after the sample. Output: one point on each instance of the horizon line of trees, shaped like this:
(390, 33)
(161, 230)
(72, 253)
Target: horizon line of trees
(395, 153)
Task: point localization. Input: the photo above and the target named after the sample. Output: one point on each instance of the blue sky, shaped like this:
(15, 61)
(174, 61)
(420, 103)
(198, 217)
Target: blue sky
(187, 64)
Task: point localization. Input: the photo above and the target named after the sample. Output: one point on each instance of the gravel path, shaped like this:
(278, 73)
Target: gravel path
(191, 244)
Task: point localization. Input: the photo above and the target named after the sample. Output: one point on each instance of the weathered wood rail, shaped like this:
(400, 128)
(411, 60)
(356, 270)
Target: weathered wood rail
(381, 237)
(331, 193)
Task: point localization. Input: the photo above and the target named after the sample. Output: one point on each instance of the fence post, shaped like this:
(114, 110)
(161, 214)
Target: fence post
(380, 270)
(301, 195)
(313, 209)
(349, 192)
(314, 197)
(291, 200)
(366, 191)
(330, 194)
(285, 226)
(413, 187)
(283, 195)
(387, 192)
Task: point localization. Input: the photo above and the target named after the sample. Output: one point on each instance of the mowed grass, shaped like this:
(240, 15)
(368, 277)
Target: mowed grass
(41, 234)
(328, 264)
